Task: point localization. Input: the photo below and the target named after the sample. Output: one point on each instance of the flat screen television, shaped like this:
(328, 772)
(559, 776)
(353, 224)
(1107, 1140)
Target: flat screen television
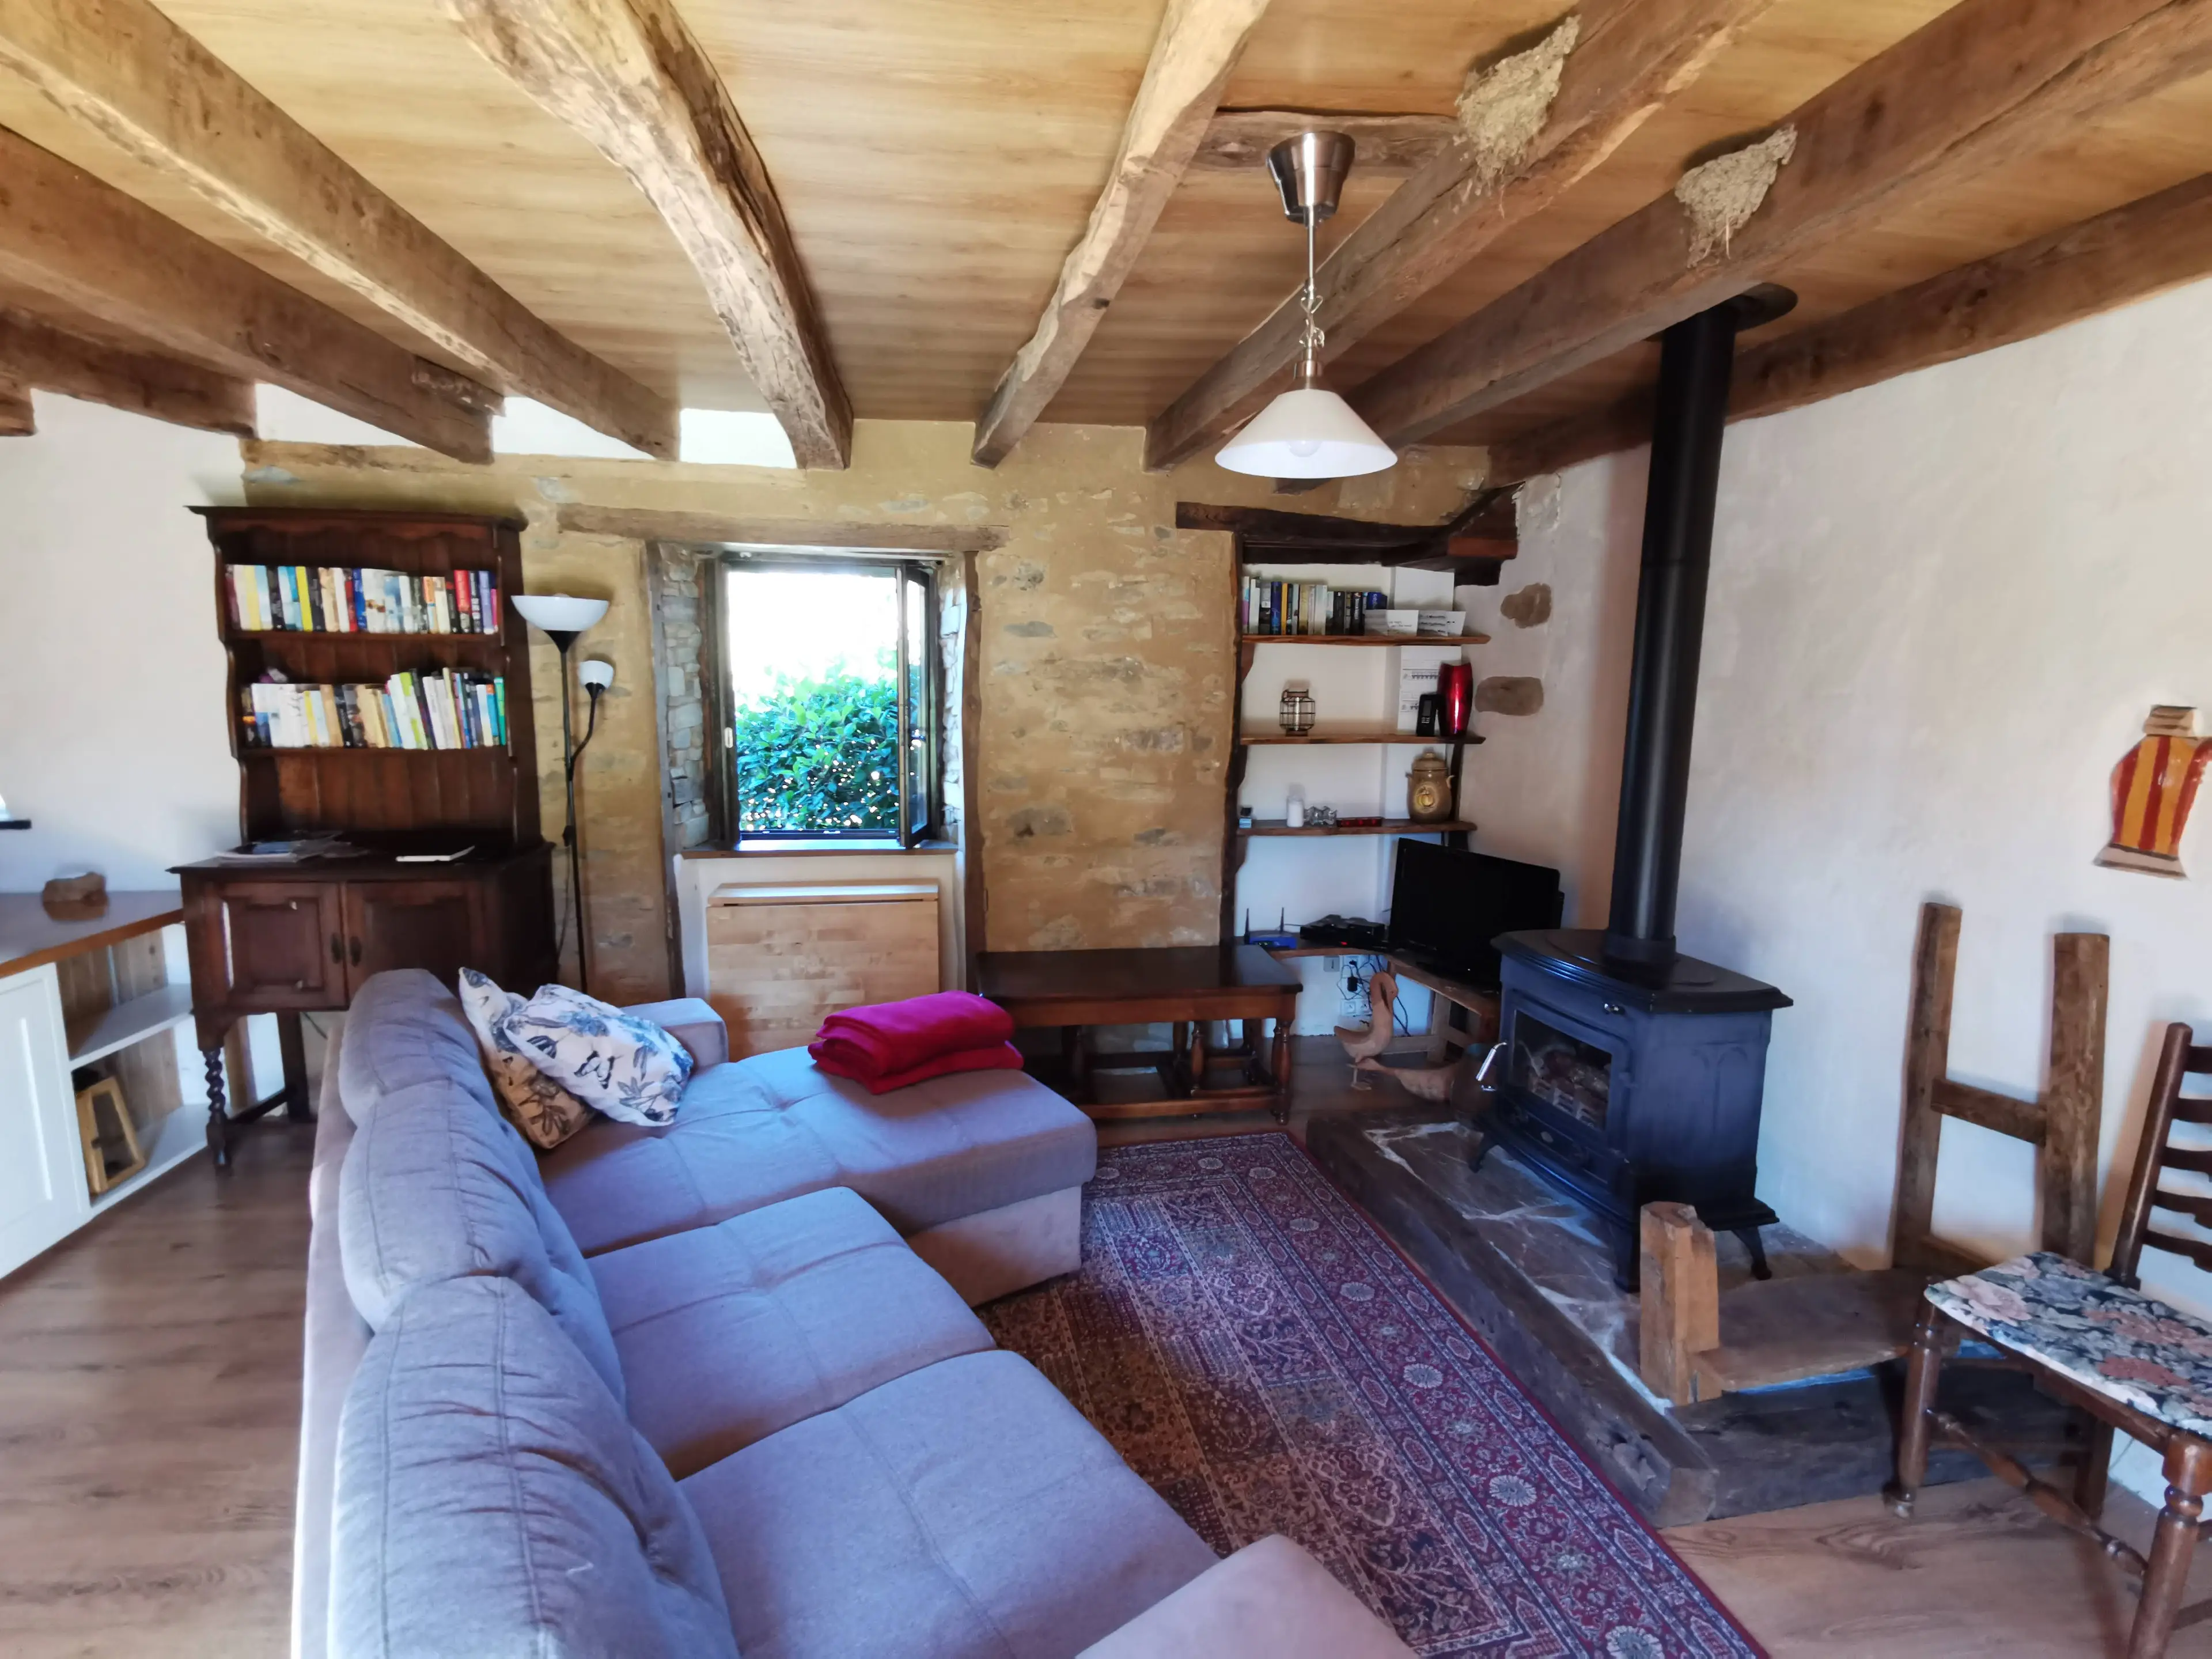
(1447, 906)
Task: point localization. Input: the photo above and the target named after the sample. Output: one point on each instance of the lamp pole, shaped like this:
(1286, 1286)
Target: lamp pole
(561, 618)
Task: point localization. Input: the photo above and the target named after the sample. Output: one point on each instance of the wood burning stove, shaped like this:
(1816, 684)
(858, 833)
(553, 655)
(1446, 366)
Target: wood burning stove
(1631, 1075)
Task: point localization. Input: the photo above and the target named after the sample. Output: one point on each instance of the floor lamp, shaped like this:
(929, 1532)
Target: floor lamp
(560, 617)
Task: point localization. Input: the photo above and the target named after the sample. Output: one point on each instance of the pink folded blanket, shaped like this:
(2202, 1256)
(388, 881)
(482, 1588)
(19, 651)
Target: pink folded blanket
(888, 1045)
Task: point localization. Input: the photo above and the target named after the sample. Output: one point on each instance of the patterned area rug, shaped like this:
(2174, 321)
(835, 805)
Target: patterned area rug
(1260, 1354)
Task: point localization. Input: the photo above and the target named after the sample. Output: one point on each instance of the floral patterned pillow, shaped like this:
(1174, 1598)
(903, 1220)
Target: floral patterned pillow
(546, 1112)
(628, 1067)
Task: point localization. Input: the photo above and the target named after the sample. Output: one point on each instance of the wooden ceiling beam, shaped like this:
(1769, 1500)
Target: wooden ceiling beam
(629, 76)
(1983, 84)
(1198, 45)
(123, 69)
(16, 420)
(1515, 150)
(64, 234)
(185, 394)
(1388, 146)
(2097, 266)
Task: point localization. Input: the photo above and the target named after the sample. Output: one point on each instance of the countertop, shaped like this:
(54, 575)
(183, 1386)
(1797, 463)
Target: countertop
(29, 937)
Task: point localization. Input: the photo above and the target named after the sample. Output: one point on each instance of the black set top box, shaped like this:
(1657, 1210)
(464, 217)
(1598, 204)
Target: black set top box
(1353, 932)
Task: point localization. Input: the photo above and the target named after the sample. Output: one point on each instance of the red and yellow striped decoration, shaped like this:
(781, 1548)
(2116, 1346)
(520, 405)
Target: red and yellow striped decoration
(2153, 789)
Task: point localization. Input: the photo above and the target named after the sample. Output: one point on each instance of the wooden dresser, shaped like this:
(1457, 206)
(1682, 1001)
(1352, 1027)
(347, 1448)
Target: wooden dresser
(289, 938)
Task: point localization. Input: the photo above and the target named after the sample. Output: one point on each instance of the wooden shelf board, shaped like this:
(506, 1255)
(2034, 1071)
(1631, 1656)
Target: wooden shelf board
(1364, 639)
(1388, 827)
(1355, 734)
(272, 751)
(130, 1022)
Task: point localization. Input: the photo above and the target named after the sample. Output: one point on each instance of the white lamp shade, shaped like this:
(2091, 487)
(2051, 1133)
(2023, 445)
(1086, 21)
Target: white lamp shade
(559, 613)
(596, 673)
(1308, 433)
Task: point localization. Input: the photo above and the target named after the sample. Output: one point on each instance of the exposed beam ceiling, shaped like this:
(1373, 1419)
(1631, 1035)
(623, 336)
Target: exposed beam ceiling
(1239, 139)
(86, 244)
(16, 420)
(1534, 125)
(1198, 44)
(650, 523)
(629, 76)
(185, 394)
(2112, 260)
(125, 70)
(1983, 84)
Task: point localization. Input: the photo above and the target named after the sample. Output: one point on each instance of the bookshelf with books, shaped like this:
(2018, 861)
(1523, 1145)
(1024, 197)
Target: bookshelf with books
(379, 696)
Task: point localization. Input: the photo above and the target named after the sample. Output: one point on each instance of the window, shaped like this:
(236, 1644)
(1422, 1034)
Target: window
(830, 690)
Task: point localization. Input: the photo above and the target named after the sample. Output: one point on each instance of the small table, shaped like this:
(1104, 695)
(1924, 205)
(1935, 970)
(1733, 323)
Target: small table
(1184, 985)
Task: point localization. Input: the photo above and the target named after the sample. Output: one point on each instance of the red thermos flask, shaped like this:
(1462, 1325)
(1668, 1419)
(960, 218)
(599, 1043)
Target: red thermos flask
(1454, 697)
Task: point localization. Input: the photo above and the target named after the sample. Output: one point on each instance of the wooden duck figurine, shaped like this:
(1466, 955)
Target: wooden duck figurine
(1362, 1044)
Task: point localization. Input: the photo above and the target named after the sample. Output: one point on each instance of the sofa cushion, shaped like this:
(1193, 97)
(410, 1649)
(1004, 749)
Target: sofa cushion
(626, 1066)
(435, 1188)
(493, 1504)
(404, 1028)
(546, 1112)
(727, 1333)
(965, 1509)
(773, 1126)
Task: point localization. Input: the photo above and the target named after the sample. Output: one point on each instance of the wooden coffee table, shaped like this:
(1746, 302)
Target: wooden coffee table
(1185, 986)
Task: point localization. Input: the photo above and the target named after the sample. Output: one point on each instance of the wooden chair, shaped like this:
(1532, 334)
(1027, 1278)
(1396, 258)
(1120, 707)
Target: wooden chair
(2097, 1342)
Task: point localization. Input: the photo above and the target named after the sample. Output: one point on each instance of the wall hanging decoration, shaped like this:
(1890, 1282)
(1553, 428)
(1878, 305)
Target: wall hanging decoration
(2154, 787)
(1297, 713)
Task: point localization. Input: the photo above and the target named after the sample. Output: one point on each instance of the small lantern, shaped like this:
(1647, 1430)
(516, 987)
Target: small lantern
(1298, 708)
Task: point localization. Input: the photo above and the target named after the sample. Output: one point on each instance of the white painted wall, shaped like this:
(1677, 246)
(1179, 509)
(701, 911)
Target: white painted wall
(112, 742)
(1940, 610)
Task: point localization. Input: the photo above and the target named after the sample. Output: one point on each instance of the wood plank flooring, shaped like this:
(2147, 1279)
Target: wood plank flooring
(148, 1412)
(150, 1403)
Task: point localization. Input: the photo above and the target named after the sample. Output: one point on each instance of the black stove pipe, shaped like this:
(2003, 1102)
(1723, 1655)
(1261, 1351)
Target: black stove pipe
(1696, 357)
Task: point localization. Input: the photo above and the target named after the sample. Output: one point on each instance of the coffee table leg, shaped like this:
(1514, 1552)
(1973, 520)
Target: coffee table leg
(1076, 1058)
(1281, 1067)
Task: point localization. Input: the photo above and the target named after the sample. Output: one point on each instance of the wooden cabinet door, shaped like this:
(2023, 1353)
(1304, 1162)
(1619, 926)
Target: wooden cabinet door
(42, 1183)
(435, 925)
(283, 944)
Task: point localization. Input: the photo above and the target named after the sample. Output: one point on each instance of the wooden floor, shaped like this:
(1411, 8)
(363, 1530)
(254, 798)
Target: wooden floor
(150, 1404)
(150, 1401)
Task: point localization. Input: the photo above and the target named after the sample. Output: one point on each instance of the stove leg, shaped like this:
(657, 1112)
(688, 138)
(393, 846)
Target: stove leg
(1757, 1246)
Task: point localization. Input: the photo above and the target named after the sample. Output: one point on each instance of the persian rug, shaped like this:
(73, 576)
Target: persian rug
(1260, 1354)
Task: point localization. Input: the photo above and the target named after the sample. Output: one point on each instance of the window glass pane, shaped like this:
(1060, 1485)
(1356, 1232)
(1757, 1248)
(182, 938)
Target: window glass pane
(813, 659)
(918, 646)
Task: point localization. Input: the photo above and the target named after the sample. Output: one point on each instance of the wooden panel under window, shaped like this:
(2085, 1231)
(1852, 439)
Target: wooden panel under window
(779, 959)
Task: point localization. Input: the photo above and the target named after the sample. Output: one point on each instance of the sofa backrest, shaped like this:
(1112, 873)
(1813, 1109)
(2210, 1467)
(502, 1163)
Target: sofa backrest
(404, 1028)
(494, 1503)
(437, 1188)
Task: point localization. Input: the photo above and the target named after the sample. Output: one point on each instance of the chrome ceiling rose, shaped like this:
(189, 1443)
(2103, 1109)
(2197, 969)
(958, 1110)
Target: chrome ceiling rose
(1310, 170)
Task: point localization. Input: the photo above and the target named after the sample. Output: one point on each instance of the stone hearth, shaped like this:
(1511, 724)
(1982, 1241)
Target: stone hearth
(1532, 1272)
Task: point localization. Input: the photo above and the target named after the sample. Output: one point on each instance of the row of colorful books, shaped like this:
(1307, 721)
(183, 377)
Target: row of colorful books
(1306, 608)
(452, 709)
(327, 599)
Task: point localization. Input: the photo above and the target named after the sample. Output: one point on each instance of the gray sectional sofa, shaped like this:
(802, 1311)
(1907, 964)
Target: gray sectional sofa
(698, 1391)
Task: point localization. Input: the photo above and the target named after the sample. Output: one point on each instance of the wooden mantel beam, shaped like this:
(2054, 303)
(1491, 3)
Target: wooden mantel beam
(125, 71)
(1531, 127)
(1983, 84)
(1198, 45)
(64, 234)
(2100, 265)
(34, 355)
(629, 76)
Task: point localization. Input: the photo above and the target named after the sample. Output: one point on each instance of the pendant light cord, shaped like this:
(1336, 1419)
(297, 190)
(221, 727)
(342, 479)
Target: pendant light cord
(1313, 338)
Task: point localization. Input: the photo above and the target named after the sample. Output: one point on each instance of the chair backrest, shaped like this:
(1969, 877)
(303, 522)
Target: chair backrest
(2060, 1122)
(2177, 1059)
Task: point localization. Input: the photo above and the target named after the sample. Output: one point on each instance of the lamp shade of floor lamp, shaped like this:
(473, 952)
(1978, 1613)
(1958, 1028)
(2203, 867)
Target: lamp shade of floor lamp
(560, 617)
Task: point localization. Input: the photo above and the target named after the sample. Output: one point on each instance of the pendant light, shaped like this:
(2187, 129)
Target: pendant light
(1308, 432)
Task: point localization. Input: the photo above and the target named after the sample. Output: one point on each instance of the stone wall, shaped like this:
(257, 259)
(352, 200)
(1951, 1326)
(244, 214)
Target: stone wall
(1105, 654)
(679, 646)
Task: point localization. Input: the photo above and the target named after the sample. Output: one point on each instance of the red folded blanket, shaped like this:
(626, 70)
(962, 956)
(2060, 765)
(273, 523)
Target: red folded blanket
(888, 1045)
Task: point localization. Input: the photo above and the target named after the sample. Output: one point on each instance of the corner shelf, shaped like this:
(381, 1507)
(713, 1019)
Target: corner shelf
(1364, 639)
(1388, 827)
(1369, 734)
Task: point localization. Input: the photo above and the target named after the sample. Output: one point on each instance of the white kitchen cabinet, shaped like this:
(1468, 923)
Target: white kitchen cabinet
(42, 1185)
